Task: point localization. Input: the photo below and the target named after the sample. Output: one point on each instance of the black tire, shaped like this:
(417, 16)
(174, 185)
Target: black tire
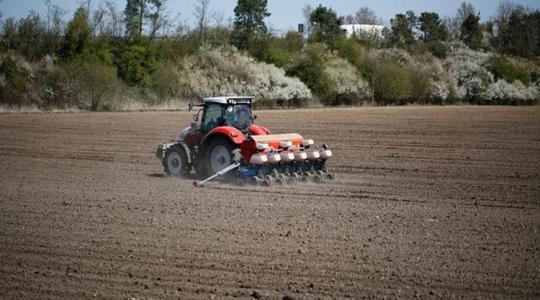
(175, 161)
(222, 146)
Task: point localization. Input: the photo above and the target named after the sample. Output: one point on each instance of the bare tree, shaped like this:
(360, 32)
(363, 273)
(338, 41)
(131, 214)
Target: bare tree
(57, 19)
(219, 18)
(366, 15)
(98, 20)
(201, 15)
(505, 10)
(349, 19)
(453, 24)
(220, 32)
(115, 17)
(306, 11)
(87, 4)
(48, 4)
(54, 24)
(158, 18)
(464, 10)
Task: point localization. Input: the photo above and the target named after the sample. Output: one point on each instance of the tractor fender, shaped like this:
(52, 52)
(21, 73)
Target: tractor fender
(162, 148)
(258, 130)
(186, 149)
(234, 135)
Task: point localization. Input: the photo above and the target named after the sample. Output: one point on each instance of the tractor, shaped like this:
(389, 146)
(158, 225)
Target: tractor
(223, 137)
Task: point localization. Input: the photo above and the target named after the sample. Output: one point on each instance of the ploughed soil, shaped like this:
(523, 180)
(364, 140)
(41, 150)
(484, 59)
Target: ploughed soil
(429, 202)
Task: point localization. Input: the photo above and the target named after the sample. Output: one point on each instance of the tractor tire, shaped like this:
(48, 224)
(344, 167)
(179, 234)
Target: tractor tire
(175, 161)
(217, 156)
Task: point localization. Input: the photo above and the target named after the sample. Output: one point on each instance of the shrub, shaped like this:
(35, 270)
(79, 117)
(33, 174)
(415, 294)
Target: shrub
(351, 50)
(54, 87)
(516, 93)
(278, 56)
(226, 71)
(502, 68)
(347, 84)
(14, 86)
(311, 70)
(391, 82)
(136, 61)
(293, 41)
(439, 49)
(282, 52)
(94, 81)
(467, 75)
(164, 81)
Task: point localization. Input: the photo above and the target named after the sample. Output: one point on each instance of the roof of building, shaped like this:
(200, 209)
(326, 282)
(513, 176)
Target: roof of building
(350, 29)
(229, 99)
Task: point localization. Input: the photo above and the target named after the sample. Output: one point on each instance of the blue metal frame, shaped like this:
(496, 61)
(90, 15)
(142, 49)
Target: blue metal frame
(248, 172)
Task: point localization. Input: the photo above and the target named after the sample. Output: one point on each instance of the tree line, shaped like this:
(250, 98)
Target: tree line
(103, 49)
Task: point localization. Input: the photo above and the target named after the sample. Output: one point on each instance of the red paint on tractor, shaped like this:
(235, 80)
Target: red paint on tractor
(235, 135)
(248, 148)
(258, 130)
(192, 138)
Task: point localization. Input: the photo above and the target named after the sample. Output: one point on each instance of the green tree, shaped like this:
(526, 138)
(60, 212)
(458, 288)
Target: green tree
(325, 25)
(14, 91)
(249, 26)
(471, 32)
(9, 34)
(432, 27)
(521, 34)
(402, 29)
(136, 61)
(30, 32)
(434, 33)
(137, 11)
(77, 34)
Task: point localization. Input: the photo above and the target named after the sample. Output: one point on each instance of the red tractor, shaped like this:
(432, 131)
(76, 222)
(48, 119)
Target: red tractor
(224, 137)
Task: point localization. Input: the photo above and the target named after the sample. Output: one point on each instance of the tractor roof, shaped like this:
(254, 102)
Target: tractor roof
(229, 99)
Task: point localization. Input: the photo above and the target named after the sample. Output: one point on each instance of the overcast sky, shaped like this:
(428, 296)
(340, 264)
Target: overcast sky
(286, 14)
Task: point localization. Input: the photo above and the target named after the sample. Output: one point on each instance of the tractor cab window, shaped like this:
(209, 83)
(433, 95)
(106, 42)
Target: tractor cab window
(239, 116)
(213, 116)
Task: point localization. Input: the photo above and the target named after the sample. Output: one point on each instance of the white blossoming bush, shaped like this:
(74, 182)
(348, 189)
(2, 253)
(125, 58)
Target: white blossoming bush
(471, 81)
(349, 87)
(396, 54)
(225, 71)
(502, 92)
(467, 75)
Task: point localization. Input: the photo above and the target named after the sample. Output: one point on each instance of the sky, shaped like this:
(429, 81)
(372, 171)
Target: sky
(286, 14)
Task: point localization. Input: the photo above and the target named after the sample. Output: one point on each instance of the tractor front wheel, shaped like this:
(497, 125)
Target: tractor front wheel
(175, 161)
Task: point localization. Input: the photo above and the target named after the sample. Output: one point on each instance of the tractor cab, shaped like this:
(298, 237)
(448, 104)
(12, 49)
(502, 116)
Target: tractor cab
(225, 111)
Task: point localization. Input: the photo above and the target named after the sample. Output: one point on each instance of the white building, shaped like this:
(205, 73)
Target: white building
(363, 29)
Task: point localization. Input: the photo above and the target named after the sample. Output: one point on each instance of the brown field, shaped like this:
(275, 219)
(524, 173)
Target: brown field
(429, 202)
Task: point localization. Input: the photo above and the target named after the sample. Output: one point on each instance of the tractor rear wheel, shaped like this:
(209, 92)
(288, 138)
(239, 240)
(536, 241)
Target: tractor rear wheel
(175, 161)
(218, 155)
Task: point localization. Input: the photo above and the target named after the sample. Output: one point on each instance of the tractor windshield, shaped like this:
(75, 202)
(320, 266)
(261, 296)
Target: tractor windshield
(239, 116)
